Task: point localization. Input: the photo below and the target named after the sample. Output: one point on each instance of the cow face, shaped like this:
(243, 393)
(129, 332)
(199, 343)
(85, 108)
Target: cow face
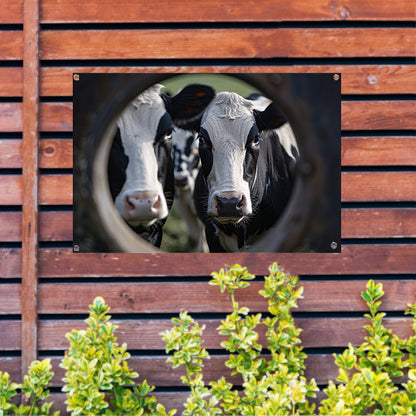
(140, 168)
(229, 146)
(185, 158)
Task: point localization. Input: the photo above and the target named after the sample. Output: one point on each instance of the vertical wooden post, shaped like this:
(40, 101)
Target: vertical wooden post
(30, 180)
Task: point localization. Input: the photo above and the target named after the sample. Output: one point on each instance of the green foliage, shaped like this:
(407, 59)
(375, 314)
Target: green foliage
(276, 386)
(270, 387)
(34, 389)
(98, 380)
(367, 373)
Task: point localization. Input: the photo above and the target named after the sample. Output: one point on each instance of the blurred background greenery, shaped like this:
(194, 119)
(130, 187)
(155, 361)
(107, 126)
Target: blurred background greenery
(174, 230)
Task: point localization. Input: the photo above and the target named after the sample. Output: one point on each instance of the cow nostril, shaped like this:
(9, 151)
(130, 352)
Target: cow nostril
(129, 202)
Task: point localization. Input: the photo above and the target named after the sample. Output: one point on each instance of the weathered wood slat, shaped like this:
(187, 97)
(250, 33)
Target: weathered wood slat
(378, 151)
(355, 223)
(356, 79)
(11, 117)
(354, 259)
(10, 299)
(229, 43)
(355, 151)
(144, 334)
(96, 11)
(202, 11)
(157, 372)
(384, 115)
(11, 46)
(11, 79)
(355, 186)
(378, 186)
(53, 153)
(378, 223)
(355, 115)
(11, 11)
(13, 340)
(53, 190)
(199, 297)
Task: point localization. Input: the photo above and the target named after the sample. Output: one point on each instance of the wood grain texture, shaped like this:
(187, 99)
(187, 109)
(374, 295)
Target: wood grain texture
(158, 372)
(378, 115)
(355, 186)
(96, 11)
(53, 153)
(11, 11)
(384, 115)
(355, 223)
(354, 259)
(10, 299)
(11, 45)
(144, 334)
(362, 259)
(229, 43)
(13, 341)
(11, 80)
(378, 186)
(378, 151)
(199, 297)
(355, 151)
(378, 223)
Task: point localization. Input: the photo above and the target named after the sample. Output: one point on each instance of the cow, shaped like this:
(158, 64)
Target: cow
(247, 174)
(140, 167)
(186, 167)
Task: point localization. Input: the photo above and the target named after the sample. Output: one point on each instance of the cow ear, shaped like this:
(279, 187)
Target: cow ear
(271, 118)
(187, 106)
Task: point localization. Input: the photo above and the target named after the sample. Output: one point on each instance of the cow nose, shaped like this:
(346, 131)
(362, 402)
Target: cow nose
(142, 206)
(230, 207)
(181, 180)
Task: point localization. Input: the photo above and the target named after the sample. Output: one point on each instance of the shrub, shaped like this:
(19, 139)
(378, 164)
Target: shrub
(98, 380)
(34, 389)
(276, 386)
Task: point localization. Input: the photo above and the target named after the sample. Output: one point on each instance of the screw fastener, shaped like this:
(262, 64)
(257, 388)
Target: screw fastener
(76, 248)
(334, 245)
(336, 77)
(76, 77)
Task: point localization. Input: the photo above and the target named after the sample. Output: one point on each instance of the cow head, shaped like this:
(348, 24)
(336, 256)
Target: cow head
(230, 142)
(140, 167)
(185, 158)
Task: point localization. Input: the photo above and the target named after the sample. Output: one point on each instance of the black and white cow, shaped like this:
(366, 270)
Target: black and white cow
(186, 167)
(140, 168)
(246, 176)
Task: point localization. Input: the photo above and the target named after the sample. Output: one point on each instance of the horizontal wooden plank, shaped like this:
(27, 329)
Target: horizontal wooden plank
(378, 151)
(11, 342)
(70, 11)
(11, 46)
(159, 373)
(355, 151)
(214, 11)
(361, 259)
(144, 334)
(200, 297)
(10, 117)
(355, 115)
(378, 186)
(10, 299)
(355, 223)
(229, 43)
(53, 190)
(378, 223)
(53, 226)
(11, 11)
(376, 115)
(356, 79)
(53, 153)
(11, 80)
(353, 259)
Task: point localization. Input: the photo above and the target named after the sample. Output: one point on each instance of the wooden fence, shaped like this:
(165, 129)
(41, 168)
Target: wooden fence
(45, 288)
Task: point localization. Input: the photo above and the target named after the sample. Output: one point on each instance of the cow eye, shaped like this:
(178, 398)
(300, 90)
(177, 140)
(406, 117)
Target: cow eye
(256, 141)
(167, 137)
